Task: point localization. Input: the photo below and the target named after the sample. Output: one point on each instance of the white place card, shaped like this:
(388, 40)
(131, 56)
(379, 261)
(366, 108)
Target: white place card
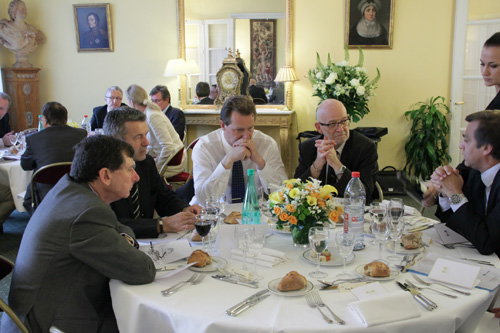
(454, 272)
(167, 252)
(447, 235)
(369, 291)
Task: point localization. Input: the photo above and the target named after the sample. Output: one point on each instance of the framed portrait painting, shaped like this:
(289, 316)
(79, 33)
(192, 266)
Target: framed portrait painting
(93, 27)
(369, 23)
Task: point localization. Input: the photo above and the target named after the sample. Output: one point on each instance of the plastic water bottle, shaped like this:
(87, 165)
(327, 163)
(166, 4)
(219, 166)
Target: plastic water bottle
(86, 124)
(40, 124)
(251, 210)
(354, 210)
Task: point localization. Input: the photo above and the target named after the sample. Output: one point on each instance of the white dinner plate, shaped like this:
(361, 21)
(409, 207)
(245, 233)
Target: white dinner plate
(401, 250)
(217, 262)
(273, 287)
(335, 261)
(361, 271)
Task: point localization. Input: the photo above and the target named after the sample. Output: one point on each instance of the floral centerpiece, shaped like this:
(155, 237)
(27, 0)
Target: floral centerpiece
(302, 205)
(346, 83)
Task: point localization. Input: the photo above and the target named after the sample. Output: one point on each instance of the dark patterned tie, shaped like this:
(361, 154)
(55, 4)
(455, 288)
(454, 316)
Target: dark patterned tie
(237, 183)
(134, 198)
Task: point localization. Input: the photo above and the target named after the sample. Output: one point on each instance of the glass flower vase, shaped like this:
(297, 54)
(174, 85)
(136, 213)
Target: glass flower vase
(300, 235)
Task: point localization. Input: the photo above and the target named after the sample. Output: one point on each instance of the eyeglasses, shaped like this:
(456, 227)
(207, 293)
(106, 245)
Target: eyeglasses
(156, 100)
(336, 125)
(114, 98)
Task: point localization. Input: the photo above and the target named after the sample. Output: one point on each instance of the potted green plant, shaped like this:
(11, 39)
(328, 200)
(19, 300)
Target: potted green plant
(427, 146)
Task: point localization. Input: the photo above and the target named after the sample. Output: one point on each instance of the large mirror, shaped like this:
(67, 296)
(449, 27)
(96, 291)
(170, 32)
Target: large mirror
(207, 28)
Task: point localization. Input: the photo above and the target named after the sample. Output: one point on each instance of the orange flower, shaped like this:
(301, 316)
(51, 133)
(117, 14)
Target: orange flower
(289, 186)
(334, 216)
(292, 219)
(291, 208)
(321, 203)
(340, 209)
(276, 210)
(283, 216)
(315, 195)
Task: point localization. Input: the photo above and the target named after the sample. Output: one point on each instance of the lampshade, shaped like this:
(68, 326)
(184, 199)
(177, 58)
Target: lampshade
(193, 67)
(176, 67)
(286, 74)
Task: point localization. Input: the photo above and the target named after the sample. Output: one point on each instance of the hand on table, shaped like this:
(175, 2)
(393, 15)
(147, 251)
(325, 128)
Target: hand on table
(6, 139)
(179, 222)
(195, 209)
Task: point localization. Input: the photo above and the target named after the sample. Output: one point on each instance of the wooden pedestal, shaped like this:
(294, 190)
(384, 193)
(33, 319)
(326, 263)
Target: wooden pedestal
(22, 86)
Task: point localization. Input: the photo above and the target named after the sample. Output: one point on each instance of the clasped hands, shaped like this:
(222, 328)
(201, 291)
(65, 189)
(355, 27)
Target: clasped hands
(446, 181)
(244, 149)
(326, 154)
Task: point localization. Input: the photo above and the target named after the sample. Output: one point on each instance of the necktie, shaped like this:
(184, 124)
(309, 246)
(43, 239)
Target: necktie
(237, 182)
(134, 197)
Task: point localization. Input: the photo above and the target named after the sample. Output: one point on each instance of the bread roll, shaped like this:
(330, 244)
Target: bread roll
(195, 237)
(232, 218)
(412, 240)
(201, 258)
(292, 281)
(377, 269)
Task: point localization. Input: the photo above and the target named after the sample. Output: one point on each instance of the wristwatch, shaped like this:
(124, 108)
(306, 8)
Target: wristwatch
(341, 170)
(456, 198)
(160, 223)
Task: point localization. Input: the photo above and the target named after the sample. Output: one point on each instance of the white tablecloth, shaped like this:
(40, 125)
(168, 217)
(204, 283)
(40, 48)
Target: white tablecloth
(201, 308)
(13, 176)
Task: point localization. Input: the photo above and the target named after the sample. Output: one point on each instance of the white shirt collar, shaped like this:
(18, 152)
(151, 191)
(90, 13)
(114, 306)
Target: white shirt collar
(339, 149)
(489, 175)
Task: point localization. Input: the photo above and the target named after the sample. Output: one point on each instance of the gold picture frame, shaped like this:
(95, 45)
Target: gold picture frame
(369, 23)
(93, 27)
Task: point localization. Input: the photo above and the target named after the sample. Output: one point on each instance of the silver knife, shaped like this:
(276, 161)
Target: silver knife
(235, 281)
(414, 291)
(249, 304)
(246, 300)
(416, 297)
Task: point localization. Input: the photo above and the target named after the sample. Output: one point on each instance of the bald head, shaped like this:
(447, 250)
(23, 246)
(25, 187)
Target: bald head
(332, 111)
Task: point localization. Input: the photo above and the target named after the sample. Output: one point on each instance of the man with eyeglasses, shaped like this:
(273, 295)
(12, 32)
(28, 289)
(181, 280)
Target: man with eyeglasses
(113, 99)
(161, 97)
(337, 151)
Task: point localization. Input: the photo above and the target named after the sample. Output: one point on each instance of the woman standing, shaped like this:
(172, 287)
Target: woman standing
(368, 31)
(163, 139)
(490, 68)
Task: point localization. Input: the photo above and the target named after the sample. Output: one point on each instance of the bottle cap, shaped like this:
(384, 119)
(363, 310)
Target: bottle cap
(250, 172)
(355, 174)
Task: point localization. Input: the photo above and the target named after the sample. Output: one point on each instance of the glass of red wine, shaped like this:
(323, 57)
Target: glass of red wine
(203, 224)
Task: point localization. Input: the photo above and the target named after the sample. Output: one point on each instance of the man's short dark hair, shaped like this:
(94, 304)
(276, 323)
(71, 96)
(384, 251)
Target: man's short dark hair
(163, 90)
(5, 97)
(97, 152)
(55, 113)
(114, 123)
(241, 104)
(202, 89)
(487, 131)
(494, 40)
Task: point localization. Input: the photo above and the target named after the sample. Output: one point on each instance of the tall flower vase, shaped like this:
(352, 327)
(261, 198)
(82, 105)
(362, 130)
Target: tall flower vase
(300, 235)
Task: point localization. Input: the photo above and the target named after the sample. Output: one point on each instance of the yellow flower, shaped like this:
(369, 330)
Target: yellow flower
(326, 190)
(290, 181)
(293, 193)
(311, 200)
(289, 186)
(275, 198)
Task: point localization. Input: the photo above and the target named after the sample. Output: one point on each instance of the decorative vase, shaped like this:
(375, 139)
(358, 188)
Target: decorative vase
(300, 235)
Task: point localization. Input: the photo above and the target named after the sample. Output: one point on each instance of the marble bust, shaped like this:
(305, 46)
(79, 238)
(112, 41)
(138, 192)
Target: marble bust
(18, 36)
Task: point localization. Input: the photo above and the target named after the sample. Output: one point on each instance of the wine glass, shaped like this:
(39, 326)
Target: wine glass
(13, 138)
(375, 210)
(211, 213)
(240, 232)
(318, 240)
(202, 225)
(345, 244)
(255, 242)
(22, 143)
(396, 209)
(395, 233)
(380, 229)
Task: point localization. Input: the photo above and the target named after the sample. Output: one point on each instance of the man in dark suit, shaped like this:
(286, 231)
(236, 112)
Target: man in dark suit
(113, 99)
(202, 92)
(331, 156)
(161, 96)
(5, 130)
(74, 245)
(258, 94)
(469, 202)
(152, 194)
(54, 144)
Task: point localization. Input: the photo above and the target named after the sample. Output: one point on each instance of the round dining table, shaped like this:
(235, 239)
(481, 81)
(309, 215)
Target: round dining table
(201, 308)
(13, 176)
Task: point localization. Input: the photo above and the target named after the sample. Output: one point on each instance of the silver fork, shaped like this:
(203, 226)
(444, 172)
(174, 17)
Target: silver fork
(317, 299)
(435, 290)
(173, 289)
(313, 305)
(428, 284)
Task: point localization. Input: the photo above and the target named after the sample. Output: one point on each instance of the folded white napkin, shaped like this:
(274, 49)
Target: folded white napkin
(275, 253)
(385, 309)
(258, 262)
(263, 257)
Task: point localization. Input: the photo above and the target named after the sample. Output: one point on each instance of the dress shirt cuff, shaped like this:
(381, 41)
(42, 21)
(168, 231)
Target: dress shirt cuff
(458, 205)
(444, 203)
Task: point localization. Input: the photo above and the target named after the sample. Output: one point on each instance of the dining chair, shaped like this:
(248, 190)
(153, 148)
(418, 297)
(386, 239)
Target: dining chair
(49, 175)
(7, 266)
(175, 160)
(186, 191)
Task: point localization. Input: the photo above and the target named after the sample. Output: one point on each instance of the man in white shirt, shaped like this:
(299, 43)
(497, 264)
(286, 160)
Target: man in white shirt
(469, 200)
(237, 140)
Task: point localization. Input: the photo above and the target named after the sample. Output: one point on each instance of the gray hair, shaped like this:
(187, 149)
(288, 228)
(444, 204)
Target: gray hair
(137, 94)
(114, 88)
(5, 97)
(114, 123)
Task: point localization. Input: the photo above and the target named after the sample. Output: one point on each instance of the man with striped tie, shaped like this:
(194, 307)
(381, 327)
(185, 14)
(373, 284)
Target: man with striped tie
(150, 193)
(221, 158)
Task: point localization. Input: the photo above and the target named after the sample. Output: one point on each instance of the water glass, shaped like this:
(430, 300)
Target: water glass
(396, 209)
(395, 234)
(255, 243)
(318, 241)
(345, 244)
(13, 138)
(211, 213)
(240, 234)
(380, 229)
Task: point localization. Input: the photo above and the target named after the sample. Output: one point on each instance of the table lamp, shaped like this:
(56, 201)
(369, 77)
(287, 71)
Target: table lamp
(176, 67)
(286, 74)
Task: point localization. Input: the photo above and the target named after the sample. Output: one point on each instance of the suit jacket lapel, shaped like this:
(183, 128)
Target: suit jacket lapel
(495, 187)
